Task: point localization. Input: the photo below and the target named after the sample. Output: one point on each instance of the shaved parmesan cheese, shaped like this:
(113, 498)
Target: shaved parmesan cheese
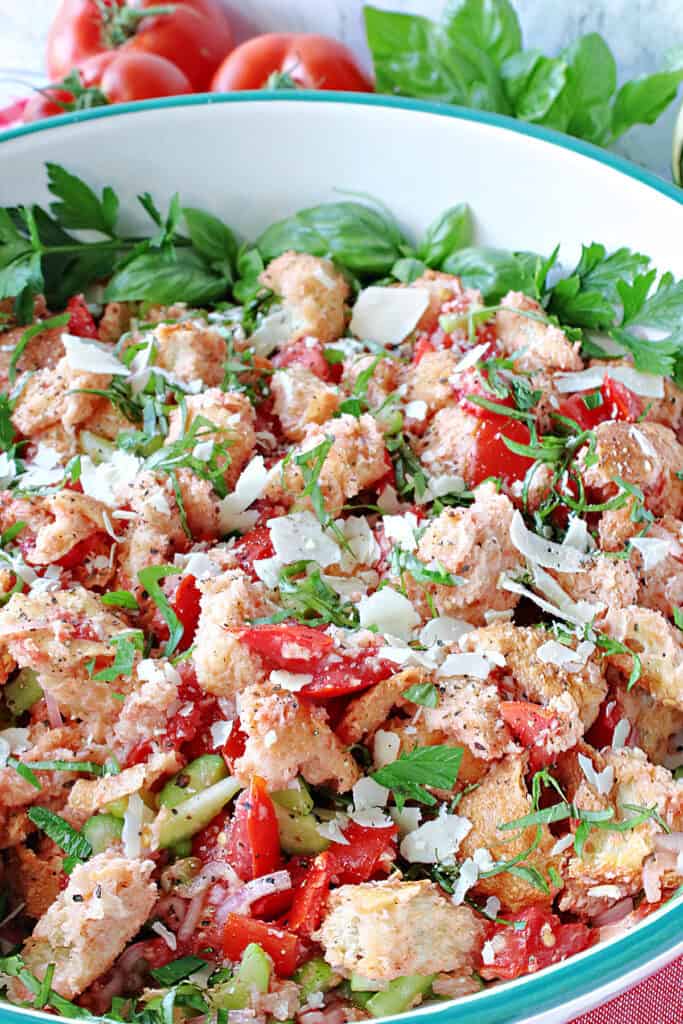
(197, 564)
(8, 469)
(386, 747)
(401, 529)
(554, 653)
(268, 571)
(220, 732)
(388, 500)
(621, 733)
(368, 793)
(578, 536)
(250, 486)
(347, 587)
(436, 841)
(562, 844)
(273, 330)
(470, 358)
(131, 833)
(166, 934)
(390, 612)
(469, 664)
(488, 953)
(91, 357)
(107, 480)
(601, 781)
(562, 558)
(444, 630)
(649, 385)
(416, 410)
(4, 751)
(45, 470)
(469, 873)
(643, 443)
(388, 315)
(203, 450)
(492, 907)
(14, 740)
(652, 550)
(406, 820)
(332, 830)
(361, 547)
(292, 681)
(300, 536)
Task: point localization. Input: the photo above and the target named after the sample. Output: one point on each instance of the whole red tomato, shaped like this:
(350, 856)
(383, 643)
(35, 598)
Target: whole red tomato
(192, 35)
(312, 62)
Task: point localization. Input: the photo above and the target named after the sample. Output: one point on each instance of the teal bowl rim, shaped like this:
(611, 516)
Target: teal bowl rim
(658, 934)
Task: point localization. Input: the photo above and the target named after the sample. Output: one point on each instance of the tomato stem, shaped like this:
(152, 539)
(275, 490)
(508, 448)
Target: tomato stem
(120, 23)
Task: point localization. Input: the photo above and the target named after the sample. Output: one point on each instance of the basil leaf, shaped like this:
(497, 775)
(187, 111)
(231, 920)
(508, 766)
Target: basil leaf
(125, 647)
(121, 599)
(177, 970)
(354, 235)
(212, 239)
(592, 76)
(425, 694)
(407, 270)
(149, 578)
(435, 766)
(534, 84)
(406, 54)
(61, 832)
(494, 271)
(165, 276)
(492, 26)
(642, 100)
(448, 233)
(79, 207)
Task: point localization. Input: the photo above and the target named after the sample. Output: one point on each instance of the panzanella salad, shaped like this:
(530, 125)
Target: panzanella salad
(340, 626)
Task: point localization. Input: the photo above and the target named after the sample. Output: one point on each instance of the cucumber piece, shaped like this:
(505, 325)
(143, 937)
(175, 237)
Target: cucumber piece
(183, 821)
(299, 833)
(98, 448)
(119, 807)
(252, 975)
(102, 831)
(182, 850)
(204, 771)
(23, 691)
(315, 975)
(296, 800)
(399, 995)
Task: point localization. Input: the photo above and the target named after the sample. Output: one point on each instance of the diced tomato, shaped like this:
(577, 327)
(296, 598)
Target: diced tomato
(601, 732)
(423, 345)
(81, 322)
(543, 940)
(233, 748)
(210, 844)
(490, 456)
(283, 947)
(253, 545)
(532, 725)
(253, 839)
(286, 646)
(307, 354)
(617, 403)
(96, 543)
(186, 607)
(188, 732)
(348, 675)
(342, 864)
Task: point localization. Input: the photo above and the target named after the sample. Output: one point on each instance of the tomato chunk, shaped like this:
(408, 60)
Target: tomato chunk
(282, 947)
(491, 457)
(289, 647)
(96, 543)
(308, 356)
(543, 940)
(533, 726)
(616, 402)
(81, 322)
(186, 606)
(253, 839)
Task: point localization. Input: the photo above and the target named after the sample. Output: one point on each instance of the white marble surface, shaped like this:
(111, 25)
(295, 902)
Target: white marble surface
(639, 32)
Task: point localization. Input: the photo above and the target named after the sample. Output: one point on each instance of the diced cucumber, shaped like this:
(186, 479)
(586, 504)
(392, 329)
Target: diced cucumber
(184, 820)
(359, 983)
(98, 448)
(204, 771)
(296, 800)
(119, 807)
(182, 850)
(252, 975)
(299, 833)
(23, 691)
(399, 995)
(315, 975)
(102, 831)
(181, 872)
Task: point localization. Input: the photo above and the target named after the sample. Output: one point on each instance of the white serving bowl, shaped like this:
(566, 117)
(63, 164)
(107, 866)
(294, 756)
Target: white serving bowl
(253, 158)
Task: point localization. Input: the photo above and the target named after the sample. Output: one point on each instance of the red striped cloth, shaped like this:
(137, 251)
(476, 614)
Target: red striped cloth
(658, 1000)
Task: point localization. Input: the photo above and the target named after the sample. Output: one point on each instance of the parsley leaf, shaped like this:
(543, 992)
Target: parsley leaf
(78, 206)
(407, 777)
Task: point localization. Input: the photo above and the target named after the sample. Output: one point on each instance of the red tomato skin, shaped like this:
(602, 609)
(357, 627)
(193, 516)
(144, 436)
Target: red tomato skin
(13, 113)
(130, 76)
(254, 544)
(195, 38)
(41, 106)
(85, 548)
(490, 456)
(186, 605)
(313, 62)
(601, 732)
(524, 951)
(309, 357)
(530, 724)
(253, 839)
(423, 346)
(618, 403)
(271, 642)
(282, 947)
(350, 675)
(81, 322)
